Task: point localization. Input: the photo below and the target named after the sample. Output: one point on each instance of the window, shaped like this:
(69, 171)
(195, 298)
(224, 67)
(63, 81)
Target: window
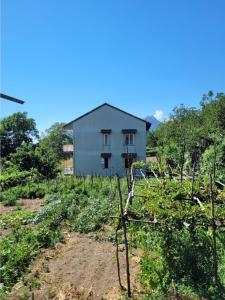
(128, 162)
(106, 163)
(106, 136)
(129, 139)
(105, 160)
(105, 139)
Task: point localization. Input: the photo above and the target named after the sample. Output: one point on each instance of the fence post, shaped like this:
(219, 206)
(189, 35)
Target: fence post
(125, 238)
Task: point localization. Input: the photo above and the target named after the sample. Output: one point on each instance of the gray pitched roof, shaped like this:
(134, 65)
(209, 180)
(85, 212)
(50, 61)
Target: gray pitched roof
(148, 124)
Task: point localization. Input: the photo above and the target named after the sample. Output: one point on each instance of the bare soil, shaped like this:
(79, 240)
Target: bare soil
(81, 268)
(33, 205)
(24, 204)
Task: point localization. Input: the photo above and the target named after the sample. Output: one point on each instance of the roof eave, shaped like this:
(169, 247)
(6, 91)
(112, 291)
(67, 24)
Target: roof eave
(148, 125)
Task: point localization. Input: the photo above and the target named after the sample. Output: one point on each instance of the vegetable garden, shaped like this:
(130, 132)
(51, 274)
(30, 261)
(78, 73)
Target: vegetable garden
(176, 233)
(174, 215)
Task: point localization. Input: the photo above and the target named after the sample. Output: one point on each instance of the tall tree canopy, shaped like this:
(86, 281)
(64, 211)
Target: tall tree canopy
(190, 134)
(46, 155)
(15, 131)
(53, 141)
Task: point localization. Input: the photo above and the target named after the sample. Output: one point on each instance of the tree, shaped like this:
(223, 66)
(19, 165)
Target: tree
(213, 111)
(151, 139)
(16, 130)
(53, 141)
(190, 132)
(25, 158)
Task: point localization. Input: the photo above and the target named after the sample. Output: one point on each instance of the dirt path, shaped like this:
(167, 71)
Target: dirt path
(82, 268)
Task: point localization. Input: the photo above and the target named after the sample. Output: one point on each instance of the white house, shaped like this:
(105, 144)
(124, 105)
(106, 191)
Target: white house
(106, 140)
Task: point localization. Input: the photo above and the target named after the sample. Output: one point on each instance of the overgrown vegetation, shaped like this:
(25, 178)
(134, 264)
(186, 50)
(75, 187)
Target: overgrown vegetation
(193, 135)
(177, 238)
(80, 204)
(177, 246)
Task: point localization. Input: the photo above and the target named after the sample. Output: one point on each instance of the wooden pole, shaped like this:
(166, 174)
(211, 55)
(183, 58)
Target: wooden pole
(182, 162)
(192, 182)
(117, 255)
(214, 163)
(213, 224)
(125, 239)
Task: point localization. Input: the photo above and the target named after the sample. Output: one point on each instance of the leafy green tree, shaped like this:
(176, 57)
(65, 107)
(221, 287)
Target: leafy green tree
(190, 132)
(53, 140)
(213, 111)
(16, 130)
(25, 158)
(48, 165)
(152, 139)
(209, 158)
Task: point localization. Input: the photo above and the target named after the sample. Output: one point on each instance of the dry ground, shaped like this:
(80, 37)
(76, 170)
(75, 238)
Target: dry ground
(33, 205)
(81, 268)
(24, 204)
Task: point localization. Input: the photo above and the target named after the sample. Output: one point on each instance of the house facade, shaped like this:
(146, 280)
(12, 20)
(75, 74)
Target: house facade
(107, 140)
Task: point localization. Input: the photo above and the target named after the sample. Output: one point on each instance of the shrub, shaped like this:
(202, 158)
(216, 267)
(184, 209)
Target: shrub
(93, 215)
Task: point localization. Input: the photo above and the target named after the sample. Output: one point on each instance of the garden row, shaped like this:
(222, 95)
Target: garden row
(80, 204)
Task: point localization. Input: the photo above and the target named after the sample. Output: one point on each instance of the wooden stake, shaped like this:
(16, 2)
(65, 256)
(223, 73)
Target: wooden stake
(214, 249)
(117, 254)
(193, 181)
(125, 238)
(182, 162)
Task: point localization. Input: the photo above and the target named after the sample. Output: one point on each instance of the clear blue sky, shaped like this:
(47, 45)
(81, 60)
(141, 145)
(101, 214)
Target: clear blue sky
(65, 57)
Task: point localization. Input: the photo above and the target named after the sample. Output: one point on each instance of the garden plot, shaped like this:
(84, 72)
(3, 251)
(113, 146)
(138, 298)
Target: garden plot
(11, 216)
(81, 268)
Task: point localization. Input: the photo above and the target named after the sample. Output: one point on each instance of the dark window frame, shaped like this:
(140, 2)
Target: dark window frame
(128, 162)
(106, 162)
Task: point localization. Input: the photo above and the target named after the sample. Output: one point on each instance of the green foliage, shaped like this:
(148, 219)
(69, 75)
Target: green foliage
(49, 152)
(54, 139)
(190, 134)
(70, 201)
(93, 215)
(214, 153)
(18, 151)
(16, 218)
(8, 198)
(18, 249)
(29, 156)
(16, 130)
(177, 250)
(138, 165)
(15, 178)
(29, 191)
(152, 139)
(25, 158)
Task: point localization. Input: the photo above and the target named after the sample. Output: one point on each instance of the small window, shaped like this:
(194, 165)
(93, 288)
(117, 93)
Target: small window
(129, 139)
(106, 139)
(106, 163)
(128, 162)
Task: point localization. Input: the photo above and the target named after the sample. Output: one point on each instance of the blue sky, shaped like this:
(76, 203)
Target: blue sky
(65, 57)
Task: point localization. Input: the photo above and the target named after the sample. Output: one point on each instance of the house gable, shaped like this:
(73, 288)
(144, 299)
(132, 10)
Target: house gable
(69, 125)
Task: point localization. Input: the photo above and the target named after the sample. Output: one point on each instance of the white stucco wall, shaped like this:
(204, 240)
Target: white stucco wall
(89, 141)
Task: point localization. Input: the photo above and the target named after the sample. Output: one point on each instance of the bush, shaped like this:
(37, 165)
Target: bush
(93, 215)
(16, 178)
(18, 249)
(9, 198)
(15, 218)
